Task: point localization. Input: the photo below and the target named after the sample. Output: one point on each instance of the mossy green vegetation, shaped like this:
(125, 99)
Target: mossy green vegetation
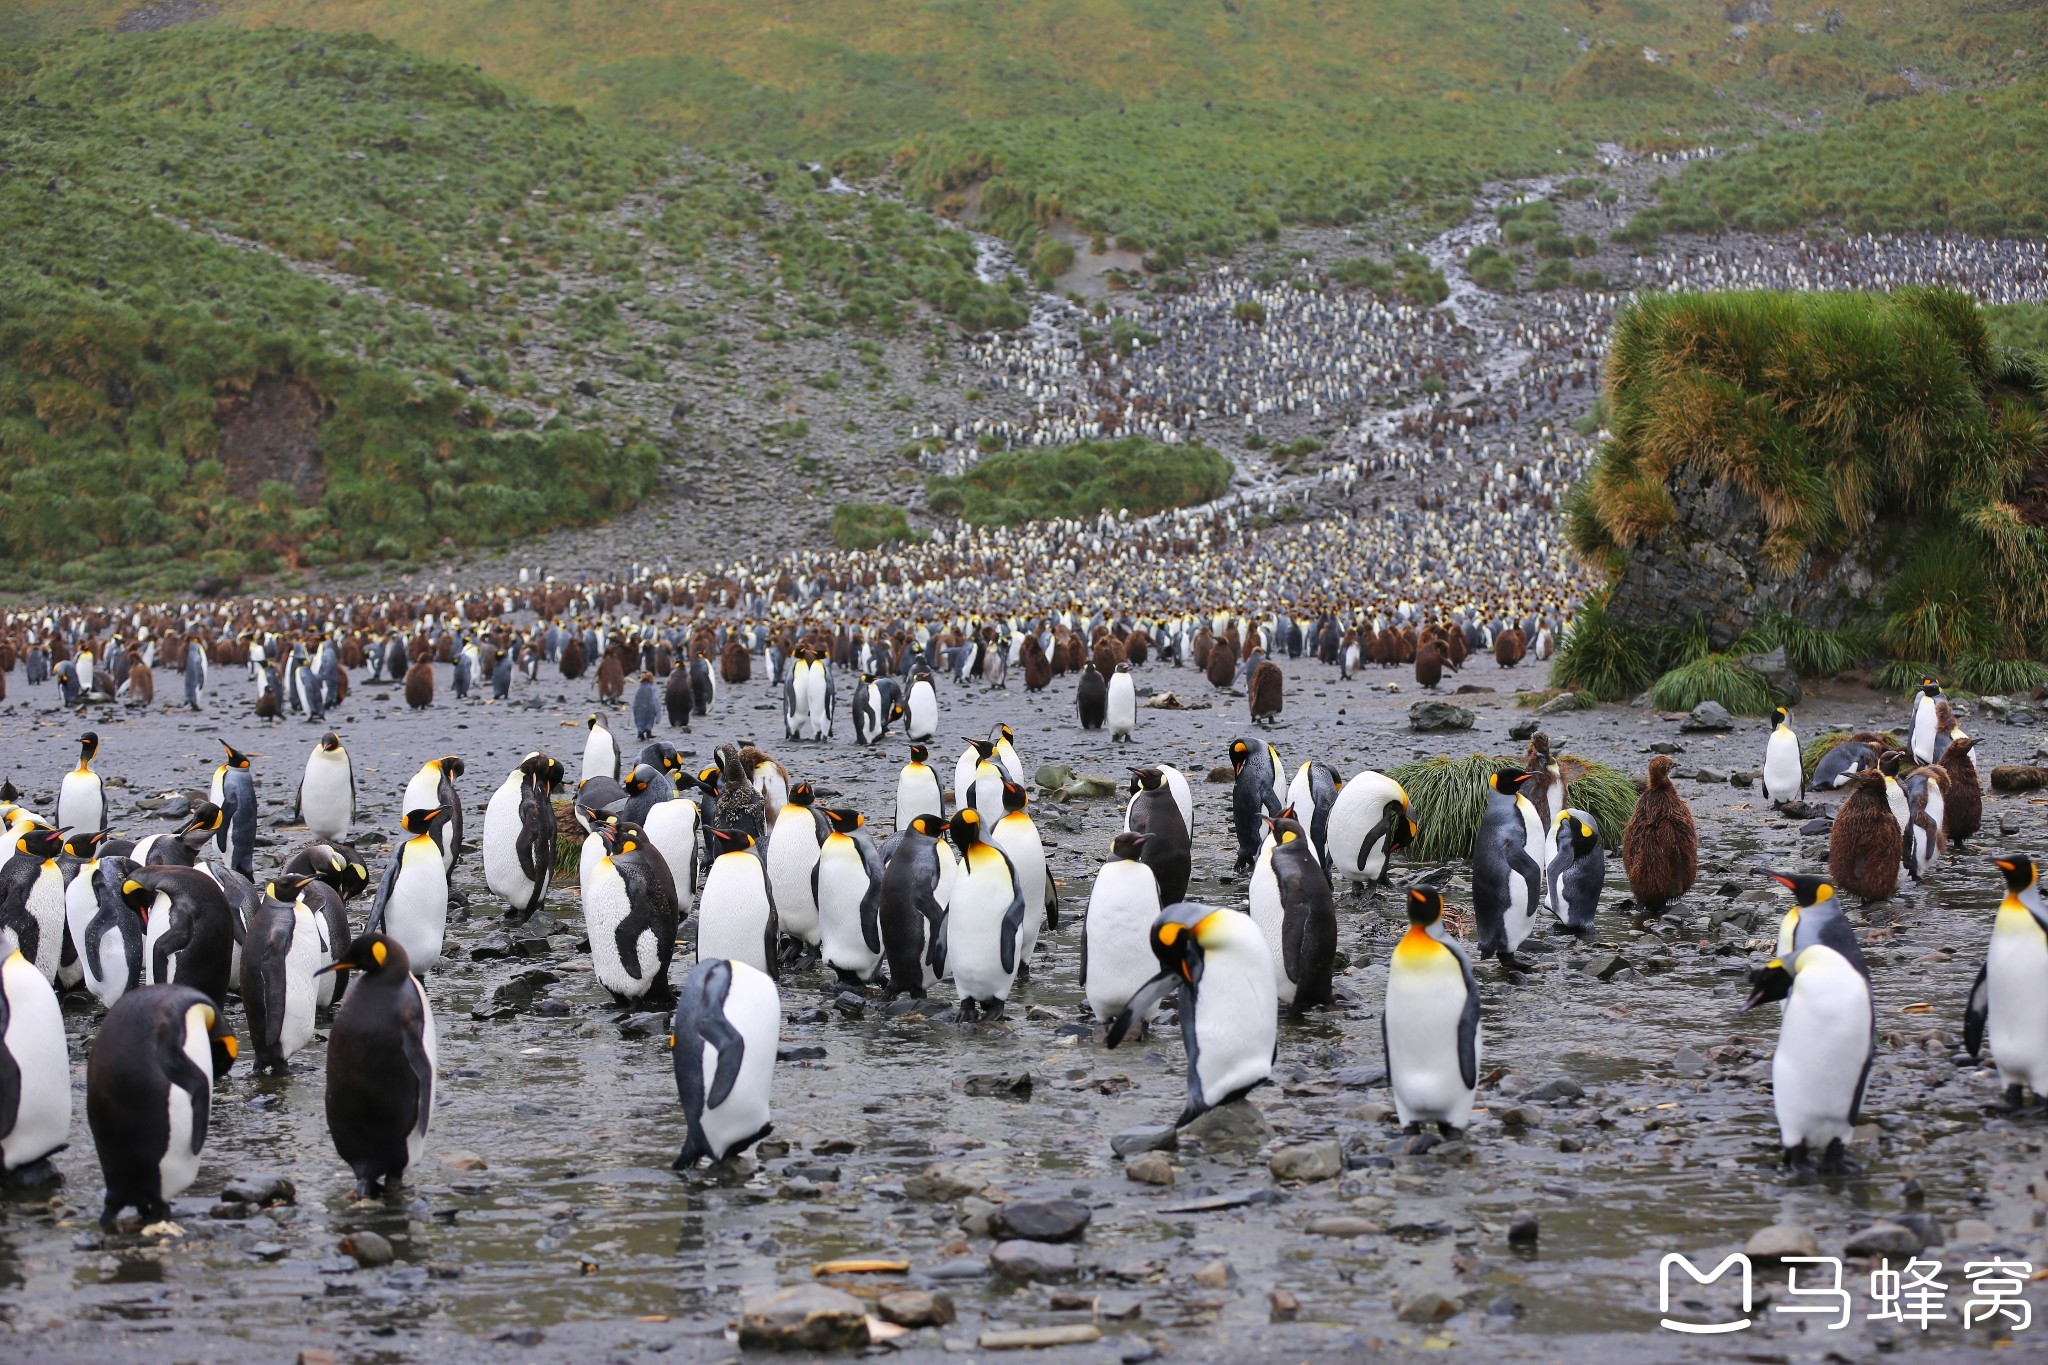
(1448, 795)
(869, 525)
(1135, 474)
(1885, 420)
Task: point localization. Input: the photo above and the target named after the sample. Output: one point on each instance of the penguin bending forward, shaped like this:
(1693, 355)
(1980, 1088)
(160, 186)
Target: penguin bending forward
(728, 1017)
(148, 1094)
(1229, 1014)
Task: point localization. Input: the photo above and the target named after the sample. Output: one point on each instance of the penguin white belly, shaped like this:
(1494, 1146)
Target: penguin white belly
(1122, 712)
(587, 858)
(974, 937)
(754, 1009)
(423, 791)
(1922, 740)
(417, 914)
(45, 904)
(732, 914)
(1019, 838)
(301, 987)
(600, 755)
(158, 922)
(1236, 1023)
(917, 793)
(842, 885)
(1895, 797)
(1822, 1047)
(988, 794)
(605, 907)
(1270, 916)
(1121, 908)
(820, 721)
(323, 986)
(81, 904)
(1782, 769)
(922, 721)
(1301, 796)
(963, 780)
(502, 872)
(1532, 844)
(139, 855)
(1425, 1006)
(2016, 982)
(430, 1043)
(81, 803)
(325, 797)
(672, 828)
(35, 1040)
(179, 1165)
(792, 855)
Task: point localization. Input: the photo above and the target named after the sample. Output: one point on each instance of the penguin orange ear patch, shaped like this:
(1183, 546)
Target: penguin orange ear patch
(378, 951)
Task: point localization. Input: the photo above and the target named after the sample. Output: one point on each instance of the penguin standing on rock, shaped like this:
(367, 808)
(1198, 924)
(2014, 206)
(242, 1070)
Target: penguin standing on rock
(1507, 880)
(35, 1070)
(1291, 904)
(911, 907)
(1430, 1027)
(728, 1018)
(1254, 795)
(382, 1054)
(1116, 934)
(1229, 1016)
(2009, 1001)
(82, 799)
(1091, 698)
(520, 833)
(630, 915)
(1865, 845)
(281, 954)
(917, 789)
(1784, 770)
(1370, 820)
(1660, 846)
(149, 1092)
(234, 791)
(327, 792)
(412, 902)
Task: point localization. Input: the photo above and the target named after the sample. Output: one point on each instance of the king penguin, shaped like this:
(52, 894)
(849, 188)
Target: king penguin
(1430, 1027)
(630, 915)
(1156, 813)
(911, 908)
(1784, 771)
(327, 791)
(917, 789)
(1575, 870)
(105, 927)
(1370, 821)
(234, 791)
(728, 1018)
(600, 750)
(2009, 1001)
(736, 909)
(984, 921)
(82, 799)
(382, 1053)
(1229, 1016)
(1825, 1046)
(519, 834)
(1121, 709)
(35, 1068)
(1291, 904)
(1016, 834)
(281, 953)
(1507, 883)
(1116, 935)
(1925, 722)
(1312, 795)
(1254, 795)
(149, 1092)
(794, 840)
(921, 708)
(848, 883)
(412, 901)
(32, 898)
(433, 788)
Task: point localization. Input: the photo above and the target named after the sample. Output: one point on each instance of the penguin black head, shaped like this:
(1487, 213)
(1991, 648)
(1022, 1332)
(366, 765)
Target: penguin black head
(88, 745)
(84, 845)
(205, 819)
(2021, 874)
(1123, 667)
(1014, 796)
(452, 765)
(1807, 890)
(640, 779)
(930, 826)
(802, 794)
(593, 722)
(370, 954)
(731, 841)
(1009, 735)
(919, 754)
(1425, 906)
(1890, 764)
(236, 758)
(330, 741)
(985, 748)
(138, 897)
(1780, 716)
(1147, 779)
(1508, 781)
(1180, 937)
(622, 836)
(1772, 981)
(1930, 687)
(422, 820)
(1240, 754)
(10, 793)
(549, 770)
(286, 886)
(40, 843)
(1127, 844)
(965, 828)
(844, 821)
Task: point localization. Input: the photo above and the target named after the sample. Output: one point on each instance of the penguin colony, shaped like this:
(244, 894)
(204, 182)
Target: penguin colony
(740, 869)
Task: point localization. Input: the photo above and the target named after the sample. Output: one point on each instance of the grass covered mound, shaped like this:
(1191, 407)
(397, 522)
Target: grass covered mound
(1448, 795)
(1880, 427)
(1136, 474)
(130, 440)
(868, 525)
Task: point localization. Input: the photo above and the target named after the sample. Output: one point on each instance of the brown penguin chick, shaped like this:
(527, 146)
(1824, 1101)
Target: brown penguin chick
(570, 662)
(611, 680)
(141, 684)
(419, 685)
(1263, 692)
(1109, 652)
(1037, 667)
(735, 665)
(1429, 665)
(1543, 782)
(1509, 647)
(1137, 648)
(739, 805)
(1660, 848)
(1222, 666)
(1866, 845)
(1199, 647)
(1962, 812)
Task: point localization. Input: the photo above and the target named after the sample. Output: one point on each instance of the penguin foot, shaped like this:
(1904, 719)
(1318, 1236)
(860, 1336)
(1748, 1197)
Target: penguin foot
(1835, 1161)
(41, 1173)
(2011, 1101)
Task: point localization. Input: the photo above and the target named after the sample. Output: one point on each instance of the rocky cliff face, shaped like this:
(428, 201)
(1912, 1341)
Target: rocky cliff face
(1709, 563)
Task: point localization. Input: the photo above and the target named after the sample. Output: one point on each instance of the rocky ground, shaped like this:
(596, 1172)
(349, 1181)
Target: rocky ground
(1625, 1109)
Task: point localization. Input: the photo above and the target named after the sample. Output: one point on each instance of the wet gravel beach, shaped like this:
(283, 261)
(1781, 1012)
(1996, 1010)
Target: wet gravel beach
(1625, 1109)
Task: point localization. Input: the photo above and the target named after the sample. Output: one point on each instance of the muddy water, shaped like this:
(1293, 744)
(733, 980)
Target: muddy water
(546, 1205)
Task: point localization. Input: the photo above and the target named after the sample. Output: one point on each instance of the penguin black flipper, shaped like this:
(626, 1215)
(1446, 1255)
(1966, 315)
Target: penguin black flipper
(10, 1075)
(871, 903)
(1862, 1080)
(1523, 866)
(1140, 1006)
(773, 930)
(384, 890)
(714, 1028)
(702, 997)
(1976, 1011)
(412, 1029)
(935, 954)
(1013, 923)
(1382, 831)
(176, 937)
(1468, 1026)
(1084, 955)
(186, 1075)
(1052, 903)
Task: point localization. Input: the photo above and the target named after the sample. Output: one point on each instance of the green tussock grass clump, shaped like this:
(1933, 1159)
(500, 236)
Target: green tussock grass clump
(1904, 675)
(869, 525)
(1604, 659)
(1714, 677)
(1987, 676)
(1136, 474)
(1447, 797)
(1817, 748)
(1812, 651)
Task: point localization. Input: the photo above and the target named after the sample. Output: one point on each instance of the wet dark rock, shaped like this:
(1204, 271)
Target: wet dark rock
(1147, 1137)
(1360, 1077)
(1743, 780)
(1308, 1161)
(810, 1016)
(1780, 1240)
(904, 1006)
(1343, 1225)
(940, 1185)
(1571, 1142)
(1524, 1229)
(648, 1025)
(1428, 1305)
(850, 1003)
(1556, 1088)
(516, 996)
(1014, 1084)
(1708, 715)
(494, 945)
(554, 1007)
(961, 1268)
(260, 1189)
(1822, 826)
(799, 1052)
(1427, 716)
(1929, 1232)
(805, 1317)
(1522, 1116)
(1237, 1124)
(367, 1248)
(1036, 1220)
(915, 1308)
(1150, 1168)
(1139, 1354)
(1688, 1063)
(1713, 777)
(1883, 1239)
(1667, 746)
(1523, 729)
(228, 1212)
(1024, 1260)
